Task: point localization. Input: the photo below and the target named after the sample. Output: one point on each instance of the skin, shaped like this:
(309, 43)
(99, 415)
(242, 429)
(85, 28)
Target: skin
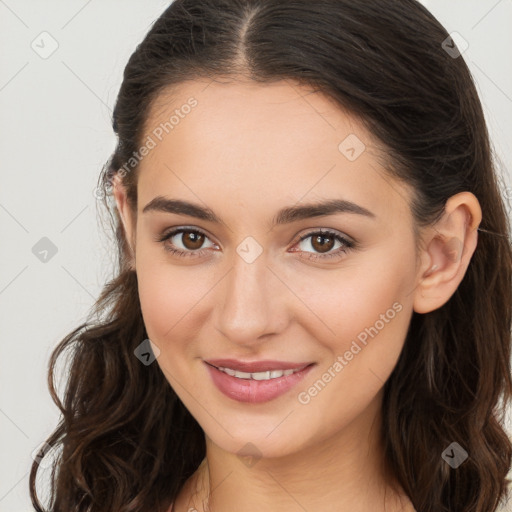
(246, 151)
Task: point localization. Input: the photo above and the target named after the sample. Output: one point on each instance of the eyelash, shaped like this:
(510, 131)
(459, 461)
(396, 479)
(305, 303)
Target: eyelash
(348, 245)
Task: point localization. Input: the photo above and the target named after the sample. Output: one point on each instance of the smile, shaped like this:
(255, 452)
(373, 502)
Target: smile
(256, 387)
(268, 375)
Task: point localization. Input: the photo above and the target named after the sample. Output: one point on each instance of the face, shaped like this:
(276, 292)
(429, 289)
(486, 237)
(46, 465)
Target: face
(262, 277)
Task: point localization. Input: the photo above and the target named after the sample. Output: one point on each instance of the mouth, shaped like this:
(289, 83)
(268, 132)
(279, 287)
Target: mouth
(272, 379)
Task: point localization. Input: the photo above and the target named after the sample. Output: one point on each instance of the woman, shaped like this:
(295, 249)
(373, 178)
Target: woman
(313, 303)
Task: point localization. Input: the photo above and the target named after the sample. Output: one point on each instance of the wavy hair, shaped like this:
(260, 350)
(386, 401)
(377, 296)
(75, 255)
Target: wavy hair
(125, 442)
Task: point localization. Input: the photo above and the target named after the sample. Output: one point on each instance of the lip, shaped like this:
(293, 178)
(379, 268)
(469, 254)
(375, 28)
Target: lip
(256, 391)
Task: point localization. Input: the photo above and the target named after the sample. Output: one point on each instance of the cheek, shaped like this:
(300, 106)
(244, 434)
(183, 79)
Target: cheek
(368, 316)
(170, 298)
(373, 294)
(367, 306)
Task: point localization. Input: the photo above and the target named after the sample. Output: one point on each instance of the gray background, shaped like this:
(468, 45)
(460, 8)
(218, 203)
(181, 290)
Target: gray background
(56, 135)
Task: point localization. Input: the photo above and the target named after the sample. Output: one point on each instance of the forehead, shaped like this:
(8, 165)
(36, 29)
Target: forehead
(262, 144)
(244, 107)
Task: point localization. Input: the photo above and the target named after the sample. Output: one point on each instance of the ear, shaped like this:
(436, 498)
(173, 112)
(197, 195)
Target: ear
(449, 246)
(125, 213)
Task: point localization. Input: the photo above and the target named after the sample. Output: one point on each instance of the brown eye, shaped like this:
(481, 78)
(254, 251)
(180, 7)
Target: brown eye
(192, 240)
(322, 243)
(186, 242)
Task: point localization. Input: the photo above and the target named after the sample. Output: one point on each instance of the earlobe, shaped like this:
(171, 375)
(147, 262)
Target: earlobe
(449, 246)
(124, 211)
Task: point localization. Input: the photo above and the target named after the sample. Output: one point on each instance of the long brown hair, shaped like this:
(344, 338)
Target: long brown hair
(126, 442)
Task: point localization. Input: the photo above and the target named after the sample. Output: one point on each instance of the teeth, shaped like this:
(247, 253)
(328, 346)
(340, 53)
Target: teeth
(274, 374)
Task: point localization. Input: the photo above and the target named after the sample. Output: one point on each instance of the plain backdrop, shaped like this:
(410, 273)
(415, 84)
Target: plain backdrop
(55, 136)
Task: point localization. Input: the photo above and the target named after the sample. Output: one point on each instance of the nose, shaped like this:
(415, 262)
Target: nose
(252, 302)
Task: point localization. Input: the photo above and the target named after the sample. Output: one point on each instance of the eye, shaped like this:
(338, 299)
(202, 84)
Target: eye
(323, 241)
(184, 242)
(188, 242)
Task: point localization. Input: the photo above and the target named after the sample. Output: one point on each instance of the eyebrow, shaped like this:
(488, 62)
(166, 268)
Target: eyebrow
(284, 216)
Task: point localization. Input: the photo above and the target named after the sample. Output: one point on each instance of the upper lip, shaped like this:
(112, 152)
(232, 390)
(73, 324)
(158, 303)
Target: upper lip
(255, 366)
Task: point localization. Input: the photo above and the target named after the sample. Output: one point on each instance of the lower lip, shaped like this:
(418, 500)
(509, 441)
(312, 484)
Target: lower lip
(255, 391)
